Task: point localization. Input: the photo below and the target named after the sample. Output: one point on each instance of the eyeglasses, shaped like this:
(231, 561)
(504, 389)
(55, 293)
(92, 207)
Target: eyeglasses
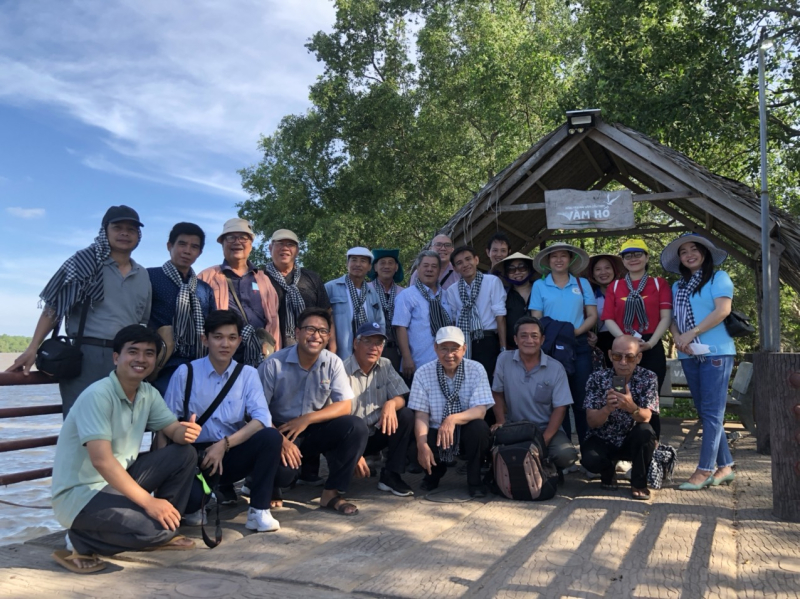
(529, 336)
(372, 341)
(441, 245)
(448, 350)
(314, 330)
(285, 243)
(521, 268)
(618, 357)
(231, 238)
(632, 255)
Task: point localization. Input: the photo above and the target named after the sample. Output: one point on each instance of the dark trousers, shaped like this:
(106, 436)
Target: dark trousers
(392, 353)
(396, 443)
(486, 351)
(341, 440)
(111, 523)
(257, 458)
(577, 387)
(476, 439)
(638, 447)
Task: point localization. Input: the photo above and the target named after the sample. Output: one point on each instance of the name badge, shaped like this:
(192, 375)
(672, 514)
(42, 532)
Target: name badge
(576, 291)
(255, 286)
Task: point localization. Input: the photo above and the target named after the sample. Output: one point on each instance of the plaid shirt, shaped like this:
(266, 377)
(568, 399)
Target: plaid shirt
(644, 391)
(373, 390)
(426, 396)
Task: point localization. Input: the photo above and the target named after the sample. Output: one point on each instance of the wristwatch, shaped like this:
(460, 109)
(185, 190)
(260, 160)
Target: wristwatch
(636, 411)
(502, 349)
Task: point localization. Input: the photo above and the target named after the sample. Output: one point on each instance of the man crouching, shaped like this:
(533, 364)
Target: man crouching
(101, 485)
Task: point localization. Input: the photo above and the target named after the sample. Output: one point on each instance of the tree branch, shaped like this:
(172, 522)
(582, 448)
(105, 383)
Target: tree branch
(781, 9)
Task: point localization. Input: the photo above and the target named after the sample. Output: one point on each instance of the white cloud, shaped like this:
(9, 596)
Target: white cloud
(25, 212)
(180, 89)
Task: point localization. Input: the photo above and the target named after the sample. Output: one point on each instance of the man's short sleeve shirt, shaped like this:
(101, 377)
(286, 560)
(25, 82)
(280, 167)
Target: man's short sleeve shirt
(371, 391)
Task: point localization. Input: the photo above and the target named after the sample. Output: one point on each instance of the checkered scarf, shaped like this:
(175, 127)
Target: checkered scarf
(438, 315)
(359, 314)
(387, 300)
(634, 305)
(294, 300)
(79, 279)
(469, 321)
(684, 316)
(253, 354)
(452, 405)
(188, 322)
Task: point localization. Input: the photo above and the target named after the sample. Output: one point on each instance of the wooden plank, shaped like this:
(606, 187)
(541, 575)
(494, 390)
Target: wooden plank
(576, 209)
(590, 158)
(709, 206)
(517, 232)
(543, 236)
(643, 196)
(663, 163)
(619, 232)
(541, 185)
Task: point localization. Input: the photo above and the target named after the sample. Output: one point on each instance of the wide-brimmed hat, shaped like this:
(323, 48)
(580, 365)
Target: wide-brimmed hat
(515, 256)
(379, 253)
(670, 260)
(616, 261)
(578, 264)
(236, 225)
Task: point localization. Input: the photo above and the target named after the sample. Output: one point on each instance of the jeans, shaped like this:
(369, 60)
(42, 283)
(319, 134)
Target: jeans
(708, 382)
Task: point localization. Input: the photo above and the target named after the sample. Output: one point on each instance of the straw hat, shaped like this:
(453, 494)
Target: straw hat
(669, 257)
(577, 266)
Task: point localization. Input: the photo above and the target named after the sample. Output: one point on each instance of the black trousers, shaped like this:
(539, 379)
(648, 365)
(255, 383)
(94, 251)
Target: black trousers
(476, 439)
(396, 443)
(111, 523)
(638, 447)
(341, 440)
(256, 458)
(486, 351)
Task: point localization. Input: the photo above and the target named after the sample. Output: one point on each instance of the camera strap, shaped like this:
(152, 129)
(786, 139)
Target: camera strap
(217, 400)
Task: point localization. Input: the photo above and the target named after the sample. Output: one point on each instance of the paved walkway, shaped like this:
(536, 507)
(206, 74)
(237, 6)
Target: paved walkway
(587, 542)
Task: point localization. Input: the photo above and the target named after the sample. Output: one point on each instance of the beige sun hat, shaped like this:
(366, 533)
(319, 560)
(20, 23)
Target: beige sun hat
(670, 260)
(576, 266)
(236, 225)
(285, 235)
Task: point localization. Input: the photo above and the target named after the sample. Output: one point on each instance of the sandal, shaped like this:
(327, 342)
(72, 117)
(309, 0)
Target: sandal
(611, 484)
(640, 494)
(174, 544)
(341, 505)
(64, 558)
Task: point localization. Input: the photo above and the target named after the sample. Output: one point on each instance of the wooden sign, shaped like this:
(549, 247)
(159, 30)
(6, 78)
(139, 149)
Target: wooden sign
(574, 209)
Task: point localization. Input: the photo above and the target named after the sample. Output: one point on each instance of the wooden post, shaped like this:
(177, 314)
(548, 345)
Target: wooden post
(774, 294)
(777, 375)
(762, 396)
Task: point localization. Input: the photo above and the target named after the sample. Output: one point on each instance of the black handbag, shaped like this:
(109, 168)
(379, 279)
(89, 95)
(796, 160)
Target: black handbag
(738, 325)
(60, 357)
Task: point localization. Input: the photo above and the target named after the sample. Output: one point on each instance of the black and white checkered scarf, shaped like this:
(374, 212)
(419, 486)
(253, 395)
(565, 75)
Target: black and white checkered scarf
(683, 314)
(387, 300)
(188, 322)
(359, 314)
(438, 315)
(294, 300)
(452, 405)
(253, 354)
(469, 321)
(79, 279)
(634, 305)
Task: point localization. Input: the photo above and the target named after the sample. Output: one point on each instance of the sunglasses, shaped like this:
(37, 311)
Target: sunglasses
(618, 357)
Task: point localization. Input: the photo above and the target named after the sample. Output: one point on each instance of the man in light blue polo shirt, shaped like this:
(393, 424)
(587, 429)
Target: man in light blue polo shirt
(531, 386)
(233, 447)
(310, 399)
(101, 485)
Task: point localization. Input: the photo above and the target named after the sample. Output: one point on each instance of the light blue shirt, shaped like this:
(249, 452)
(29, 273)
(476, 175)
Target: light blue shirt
(412, 311)
(717, 338)
(342, 309)
(564, 304)
(246, 396)
(292, 391)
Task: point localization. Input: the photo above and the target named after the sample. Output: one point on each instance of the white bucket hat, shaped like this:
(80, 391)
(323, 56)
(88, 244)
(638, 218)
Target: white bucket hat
(670, 260)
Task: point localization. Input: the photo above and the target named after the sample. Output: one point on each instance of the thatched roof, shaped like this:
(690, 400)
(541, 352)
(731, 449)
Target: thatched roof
(698, 200)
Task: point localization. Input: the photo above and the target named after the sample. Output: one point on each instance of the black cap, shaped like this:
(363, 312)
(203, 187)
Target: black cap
(118, 213)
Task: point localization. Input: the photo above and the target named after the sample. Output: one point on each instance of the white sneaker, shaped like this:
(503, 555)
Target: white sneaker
(198, 518)
(68, 543)
(261, 520)
(245, 490)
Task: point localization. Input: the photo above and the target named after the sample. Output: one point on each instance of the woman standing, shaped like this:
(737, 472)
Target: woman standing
(563, 297)
(517, 271)
(702, 299)
(640, 305)
(603, 270)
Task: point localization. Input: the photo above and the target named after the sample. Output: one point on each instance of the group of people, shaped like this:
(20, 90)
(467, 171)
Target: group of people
(253, 373)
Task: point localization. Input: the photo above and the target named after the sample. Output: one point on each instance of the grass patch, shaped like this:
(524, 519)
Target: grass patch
(684, 408)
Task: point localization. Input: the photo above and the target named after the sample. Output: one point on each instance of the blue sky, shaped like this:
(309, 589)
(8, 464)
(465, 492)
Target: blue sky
(147, 103)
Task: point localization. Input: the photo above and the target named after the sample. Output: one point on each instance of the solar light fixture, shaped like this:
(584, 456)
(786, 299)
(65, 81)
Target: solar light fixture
(580, 120)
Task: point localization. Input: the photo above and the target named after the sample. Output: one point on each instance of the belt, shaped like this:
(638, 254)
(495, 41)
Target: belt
(487, 334)
(96, 342)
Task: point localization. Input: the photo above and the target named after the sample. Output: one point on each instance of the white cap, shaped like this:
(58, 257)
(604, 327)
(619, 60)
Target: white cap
(360, 251)
(453, 334)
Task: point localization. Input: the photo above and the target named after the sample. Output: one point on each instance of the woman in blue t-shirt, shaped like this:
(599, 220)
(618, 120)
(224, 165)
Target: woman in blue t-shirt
(563, 295)
(701, 301)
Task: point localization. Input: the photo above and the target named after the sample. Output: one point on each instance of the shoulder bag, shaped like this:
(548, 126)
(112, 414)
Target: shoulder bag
(61, 357)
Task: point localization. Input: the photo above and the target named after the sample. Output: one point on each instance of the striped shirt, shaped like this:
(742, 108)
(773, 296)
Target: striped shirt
(373, 390)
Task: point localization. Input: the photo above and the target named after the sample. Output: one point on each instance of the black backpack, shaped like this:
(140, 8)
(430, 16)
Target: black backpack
(521, 465)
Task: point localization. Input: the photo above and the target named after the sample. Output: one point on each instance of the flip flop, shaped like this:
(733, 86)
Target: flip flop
(340, 504)
(172, 546)
(640, 494)
(64, 558)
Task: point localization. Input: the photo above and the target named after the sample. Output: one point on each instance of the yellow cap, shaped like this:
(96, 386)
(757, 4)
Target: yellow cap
(634, 245)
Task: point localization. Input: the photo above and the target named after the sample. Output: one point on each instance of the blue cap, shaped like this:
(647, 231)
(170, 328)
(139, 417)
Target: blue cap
(369, 329)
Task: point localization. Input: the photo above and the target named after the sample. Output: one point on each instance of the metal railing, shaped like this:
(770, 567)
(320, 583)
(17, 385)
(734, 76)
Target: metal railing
(8, 379)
